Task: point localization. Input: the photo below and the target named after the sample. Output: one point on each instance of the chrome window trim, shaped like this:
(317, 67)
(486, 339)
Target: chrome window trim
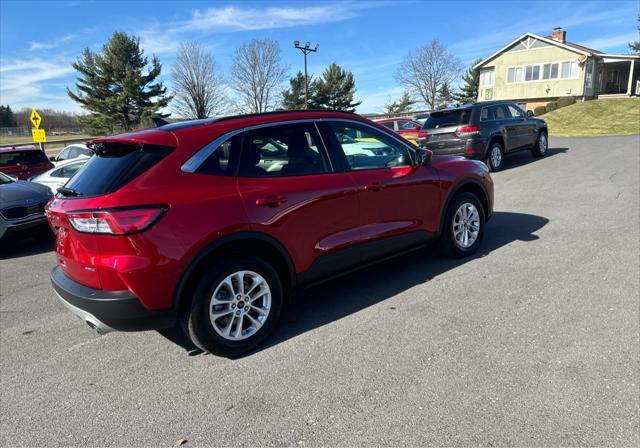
(193, 163)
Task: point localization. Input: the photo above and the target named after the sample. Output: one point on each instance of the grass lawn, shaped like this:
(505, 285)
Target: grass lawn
(8, 139)
(620, 116)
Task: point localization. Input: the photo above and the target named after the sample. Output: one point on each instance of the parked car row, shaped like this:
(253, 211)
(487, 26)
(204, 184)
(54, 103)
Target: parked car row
(21, 202)
(484, 131)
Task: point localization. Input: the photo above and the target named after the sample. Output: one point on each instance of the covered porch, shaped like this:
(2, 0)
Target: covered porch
(618, 75)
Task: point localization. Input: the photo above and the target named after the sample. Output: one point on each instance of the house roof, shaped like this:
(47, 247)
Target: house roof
(579, 49)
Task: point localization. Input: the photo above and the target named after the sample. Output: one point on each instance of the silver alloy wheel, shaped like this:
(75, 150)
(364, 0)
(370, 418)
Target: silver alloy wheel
(542, 143)
(240, 305)
(466, 225)
(496, 156)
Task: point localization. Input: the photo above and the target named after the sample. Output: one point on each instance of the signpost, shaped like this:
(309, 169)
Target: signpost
(39, 135)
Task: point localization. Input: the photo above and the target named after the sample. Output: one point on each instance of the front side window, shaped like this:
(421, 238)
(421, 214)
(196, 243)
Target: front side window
(367, 149)
(283, 150)
(515, 111)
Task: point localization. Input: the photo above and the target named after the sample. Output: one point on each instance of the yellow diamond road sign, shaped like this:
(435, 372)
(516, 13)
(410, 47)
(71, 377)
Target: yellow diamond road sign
(35, 118)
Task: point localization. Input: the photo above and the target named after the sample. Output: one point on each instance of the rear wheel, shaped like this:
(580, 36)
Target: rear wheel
(235, 306)
(541, 146)
(463, 226)
(495, 157)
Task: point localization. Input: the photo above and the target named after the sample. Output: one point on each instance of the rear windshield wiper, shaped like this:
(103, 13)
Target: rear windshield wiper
(68, 191)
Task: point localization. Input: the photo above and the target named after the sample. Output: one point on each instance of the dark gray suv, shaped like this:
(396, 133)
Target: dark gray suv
(484, 131)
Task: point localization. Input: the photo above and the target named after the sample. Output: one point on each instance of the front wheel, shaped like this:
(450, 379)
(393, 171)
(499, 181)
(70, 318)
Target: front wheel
(463, 226)
(235, 306)
(541, 146)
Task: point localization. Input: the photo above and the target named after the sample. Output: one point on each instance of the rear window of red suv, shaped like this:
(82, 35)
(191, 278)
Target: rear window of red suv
(13, 158)
(447, 118)
(113, 166)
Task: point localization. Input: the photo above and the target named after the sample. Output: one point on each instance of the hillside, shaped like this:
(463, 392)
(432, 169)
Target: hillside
(620, 116)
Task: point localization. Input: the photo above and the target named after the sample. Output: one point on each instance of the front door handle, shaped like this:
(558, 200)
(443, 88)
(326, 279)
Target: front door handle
(374, 186)
(273, 200)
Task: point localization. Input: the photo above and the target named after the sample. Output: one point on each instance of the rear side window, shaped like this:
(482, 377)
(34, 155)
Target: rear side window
(388, 124)
(22, 157)
(115, 165)
(447, 118)
(283, 150)
(224, 159)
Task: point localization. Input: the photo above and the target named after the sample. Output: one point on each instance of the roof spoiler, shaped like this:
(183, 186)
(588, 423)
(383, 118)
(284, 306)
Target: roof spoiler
(159, 121)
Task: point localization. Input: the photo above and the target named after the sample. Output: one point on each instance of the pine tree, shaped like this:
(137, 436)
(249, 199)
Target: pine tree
(402, 105)
(293, 97)
(445, 96)
(469, 92)
(117, 87)
(7, 119)
(335, 90)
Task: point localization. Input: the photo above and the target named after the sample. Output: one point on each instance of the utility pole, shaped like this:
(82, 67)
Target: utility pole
(306, 50)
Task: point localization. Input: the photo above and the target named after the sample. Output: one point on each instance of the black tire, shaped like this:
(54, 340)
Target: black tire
(449, 245)
(495, 163)
(542, 145)
(197, 323)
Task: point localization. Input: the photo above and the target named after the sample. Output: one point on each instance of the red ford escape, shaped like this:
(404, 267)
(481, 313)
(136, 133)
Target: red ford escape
(210, 223)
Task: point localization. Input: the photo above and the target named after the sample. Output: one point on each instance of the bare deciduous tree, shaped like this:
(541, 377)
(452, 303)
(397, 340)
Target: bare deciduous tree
(424, 71)
(199, 88)
(257, 73)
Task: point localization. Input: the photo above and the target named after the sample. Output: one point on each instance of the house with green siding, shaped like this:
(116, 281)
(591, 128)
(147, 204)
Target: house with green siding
(534, 70)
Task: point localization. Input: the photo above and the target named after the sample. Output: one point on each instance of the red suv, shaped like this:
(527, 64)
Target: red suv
(24, 162)
(210, 223)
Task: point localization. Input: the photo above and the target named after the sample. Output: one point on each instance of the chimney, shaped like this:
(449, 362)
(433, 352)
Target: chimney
(559, 35)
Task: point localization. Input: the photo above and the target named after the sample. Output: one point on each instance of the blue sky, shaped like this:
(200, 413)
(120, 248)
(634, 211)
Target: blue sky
(39, 40)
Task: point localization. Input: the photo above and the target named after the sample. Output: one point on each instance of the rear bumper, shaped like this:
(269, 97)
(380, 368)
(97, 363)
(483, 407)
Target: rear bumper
(107, 311)
(472, 149)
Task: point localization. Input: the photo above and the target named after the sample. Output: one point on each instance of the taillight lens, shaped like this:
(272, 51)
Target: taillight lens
(122, 221)
(422, 134)
(464, 131)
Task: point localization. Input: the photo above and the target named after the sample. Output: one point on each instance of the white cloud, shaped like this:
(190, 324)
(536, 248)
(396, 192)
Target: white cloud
(164, 38)
(231, 18)
(23, 79)
(35, 46)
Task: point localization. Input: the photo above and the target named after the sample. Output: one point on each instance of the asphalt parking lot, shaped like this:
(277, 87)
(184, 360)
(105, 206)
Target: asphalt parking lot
(534, 341)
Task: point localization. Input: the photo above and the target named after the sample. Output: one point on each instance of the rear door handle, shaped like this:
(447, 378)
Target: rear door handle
(273, 200)
(374, 186)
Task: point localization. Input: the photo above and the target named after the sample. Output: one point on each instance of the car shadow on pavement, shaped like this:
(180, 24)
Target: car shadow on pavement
(317, 306)
(25, 245)
(522, 158)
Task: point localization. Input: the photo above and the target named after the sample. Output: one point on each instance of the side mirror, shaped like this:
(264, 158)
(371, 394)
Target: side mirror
(529, 113)
(423, 156)
(52, 158)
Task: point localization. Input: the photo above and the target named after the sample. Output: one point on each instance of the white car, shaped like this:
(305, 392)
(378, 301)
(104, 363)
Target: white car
(58, 176)
(71, 152)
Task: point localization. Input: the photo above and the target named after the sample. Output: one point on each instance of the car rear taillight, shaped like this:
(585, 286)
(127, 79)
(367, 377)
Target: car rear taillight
(422, 134)
(123, 221)
(464, 131)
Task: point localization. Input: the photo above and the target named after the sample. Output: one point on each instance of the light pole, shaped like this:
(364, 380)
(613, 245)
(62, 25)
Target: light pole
(306, 50)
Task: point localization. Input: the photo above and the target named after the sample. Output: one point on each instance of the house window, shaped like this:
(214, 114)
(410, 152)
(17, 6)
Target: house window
(550, 71)
(532, 73)
(487, 77)
(569, 69)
